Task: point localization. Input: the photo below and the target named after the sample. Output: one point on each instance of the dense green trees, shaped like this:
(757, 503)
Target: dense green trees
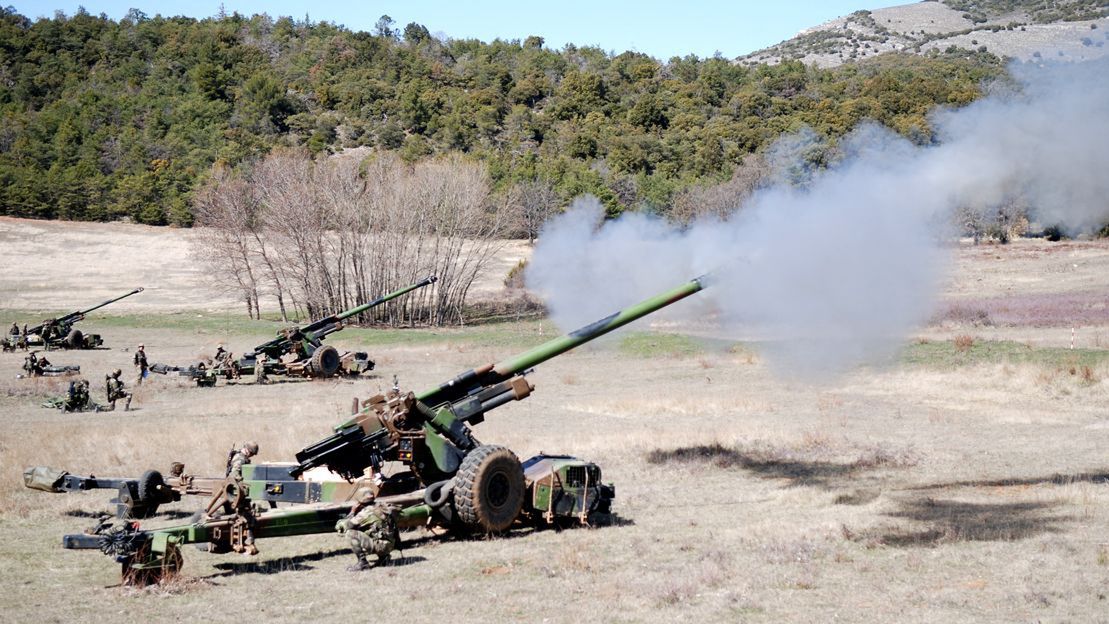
(102, 119)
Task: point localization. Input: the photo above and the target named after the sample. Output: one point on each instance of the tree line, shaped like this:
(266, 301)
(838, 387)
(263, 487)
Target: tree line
(104, 119)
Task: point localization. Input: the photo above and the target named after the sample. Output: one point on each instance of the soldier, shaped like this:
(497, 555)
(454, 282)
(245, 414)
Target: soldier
(35, 366)
(221, 354)
(115, 390)
(13, 338)
(372, 529)
(235, 462)
(140, 362)
(237, 459)
(260, 369)
(77, 397)
(23, 338)
(47, 331)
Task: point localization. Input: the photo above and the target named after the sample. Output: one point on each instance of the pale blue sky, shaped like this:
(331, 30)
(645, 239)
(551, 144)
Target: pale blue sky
(659, 28)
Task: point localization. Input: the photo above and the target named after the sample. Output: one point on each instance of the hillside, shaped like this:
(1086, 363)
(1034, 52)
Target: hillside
(104, 120)
(1022, 29)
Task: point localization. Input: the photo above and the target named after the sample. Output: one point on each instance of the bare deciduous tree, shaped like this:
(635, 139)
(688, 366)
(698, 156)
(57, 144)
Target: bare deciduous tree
(333, 233)
(721, 200)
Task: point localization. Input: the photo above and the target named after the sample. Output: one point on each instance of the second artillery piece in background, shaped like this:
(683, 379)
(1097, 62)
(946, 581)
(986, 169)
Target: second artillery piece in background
(300, 352)
(59, 333)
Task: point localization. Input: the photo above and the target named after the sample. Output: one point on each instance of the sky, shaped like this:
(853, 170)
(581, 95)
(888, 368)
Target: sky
(659, 28)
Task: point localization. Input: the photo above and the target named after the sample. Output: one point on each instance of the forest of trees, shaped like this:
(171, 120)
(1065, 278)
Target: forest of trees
(103, 119)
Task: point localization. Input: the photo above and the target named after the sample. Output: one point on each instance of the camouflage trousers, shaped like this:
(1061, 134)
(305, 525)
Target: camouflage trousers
(364, 545)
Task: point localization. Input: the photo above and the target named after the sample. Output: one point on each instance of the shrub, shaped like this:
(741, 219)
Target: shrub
(963, 343)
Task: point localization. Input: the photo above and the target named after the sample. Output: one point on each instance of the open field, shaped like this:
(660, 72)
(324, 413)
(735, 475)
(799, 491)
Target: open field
(969, 481)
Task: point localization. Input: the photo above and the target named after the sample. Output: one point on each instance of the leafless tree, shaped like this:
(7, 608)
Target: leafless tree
(333, 233)
(533, 203)
(721, 200)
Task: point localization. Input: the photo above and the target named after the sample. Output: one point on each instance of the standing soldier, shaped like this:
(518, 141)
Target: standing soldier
(115, 390)
(235, 463)
(140, 363)
(260, 369)
(13, 338)
(47, 331)
(372, 529)
(23, 338)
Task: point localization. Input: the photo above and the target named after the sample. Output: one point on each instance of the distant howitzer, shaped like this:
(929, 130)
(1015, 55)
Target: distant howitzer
(452, 479)
(299, 351)
(59, 333)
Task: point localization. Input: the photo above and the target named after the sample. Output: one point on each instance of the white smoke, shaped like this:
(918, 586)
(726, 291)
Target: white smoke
(834, 274)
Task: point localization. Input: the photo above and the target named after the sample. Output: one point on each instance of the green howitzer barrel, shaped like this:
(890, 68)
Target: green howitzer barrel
(73, 317)
(309, 336)
(444, 411)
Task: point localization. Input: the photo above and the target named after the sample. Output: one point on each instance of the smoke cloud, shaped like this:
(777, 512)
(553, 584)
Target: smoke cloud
(833, 272)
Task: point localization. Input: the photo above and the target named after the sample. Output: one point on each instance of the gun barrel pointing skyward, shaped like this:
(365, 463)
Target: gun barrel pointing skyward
(124, 296)
(515, 365)
(384, 298)
(80, 314)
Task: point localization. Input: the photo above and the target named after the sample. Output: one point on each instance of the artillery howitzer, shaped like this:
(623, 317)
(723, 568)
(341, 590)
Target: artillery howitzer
(299, 351)
(451, 479)
(59, 333)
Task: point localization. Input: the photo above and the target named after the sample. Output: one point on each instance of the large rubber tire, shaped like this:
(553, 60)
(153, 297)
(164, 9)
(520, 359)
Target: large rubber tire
(325, 361)
(489, 489)
(75, 339)
(151, 494)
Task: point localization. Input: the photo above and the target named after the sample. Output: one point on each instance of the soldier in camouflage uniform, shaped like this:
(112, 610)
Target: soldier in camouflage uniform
(140, 362)
(77, 398)
(239, 458)
(372, 529)
(115, 390)
(260, 376)
(235, 465)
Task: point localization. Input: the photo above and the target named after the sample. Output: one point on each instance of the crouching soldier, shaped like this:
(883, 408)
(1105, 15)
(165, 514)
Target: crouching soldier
(372, 529)
(115, 390)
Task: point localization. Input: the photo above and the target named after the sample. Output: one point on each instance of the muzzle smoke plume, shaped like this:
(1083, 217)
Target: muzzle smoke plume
(835, 274)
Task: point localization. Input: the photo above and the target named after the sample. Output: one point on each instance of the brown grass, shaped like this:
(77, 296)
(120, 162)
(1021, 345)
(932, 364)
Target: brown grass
(890, 494)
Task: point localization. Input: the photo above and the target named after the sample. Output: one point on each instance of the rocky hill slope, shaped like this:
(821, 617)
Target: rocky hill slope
(1071, 30)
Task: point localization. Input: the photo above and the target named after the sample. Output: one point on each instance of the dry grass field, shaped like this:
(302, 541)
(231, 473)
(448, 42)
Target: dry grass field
(967, 482)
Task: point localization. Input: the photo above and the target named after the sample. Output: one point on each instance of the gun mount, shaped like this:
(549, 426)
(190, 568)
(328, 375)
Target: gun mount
(299, 351)
(59, 333)
(452, 480)
(430, 431)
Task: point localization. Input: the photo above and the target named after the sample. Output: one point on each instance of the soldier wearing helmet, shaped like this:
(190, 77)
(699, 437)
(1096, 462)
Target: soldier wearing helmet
(372, 529)
(235, 462)
(140, 363)
(115, 390)
(239, 458)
